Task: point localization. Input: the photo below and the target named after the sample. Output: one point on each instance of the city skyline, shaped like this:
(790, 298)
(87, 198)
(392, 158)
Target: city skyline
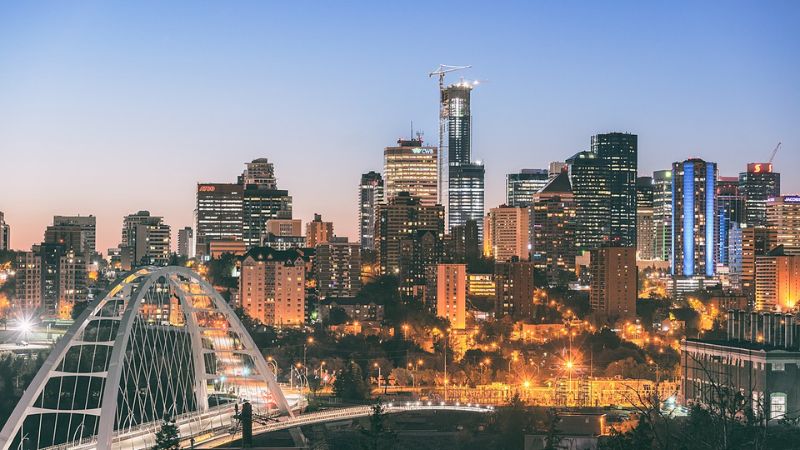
(84, 117)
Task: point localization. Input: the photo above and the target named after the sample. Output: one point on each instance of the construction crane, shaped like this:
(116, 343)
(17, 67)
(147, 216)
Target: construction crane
(441, 71)
(771, 157)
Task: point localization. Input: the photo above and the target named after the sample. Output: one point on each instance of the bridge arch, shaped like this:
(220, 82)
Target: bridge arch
(161, 343)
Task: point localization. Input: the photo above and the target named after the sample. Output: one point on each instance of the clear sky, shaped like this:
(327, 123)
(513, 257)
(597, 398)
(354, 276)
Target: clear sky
(107, 108)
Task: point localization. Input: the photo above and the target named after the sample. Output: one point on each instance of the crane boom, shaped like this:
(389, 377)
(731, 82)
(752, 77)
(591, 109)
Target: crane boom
(774, 152)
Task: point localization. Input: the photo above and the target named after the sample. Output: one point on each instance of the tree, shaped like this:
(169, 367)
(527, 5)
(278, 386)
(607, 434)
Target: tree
(167, 437)
(338, 316)
(350, 384)
(378, 434)
(512, 423)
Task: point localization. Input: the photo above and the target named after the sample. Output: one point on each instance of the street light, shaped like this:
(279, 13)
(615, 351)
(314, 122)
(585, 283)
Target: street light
(378, 366)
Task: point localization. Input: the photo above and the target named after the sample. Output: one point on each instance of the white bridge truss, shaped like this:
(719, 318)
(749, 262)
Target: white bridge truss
(161, 344)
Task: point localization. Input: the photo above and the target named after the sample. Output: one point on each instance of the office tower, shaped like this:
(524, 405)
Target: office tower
(219, 214)
(613, 289)
(777, 281)
(28, 281)
(451, 294)
(411, 167)
(783, 222)
(514, 289)
(662, 214)
(619, 154)
(145, 240)
(186, 242)
(521, 186)
(260, 204)
(318, 232)
(285, 227)
(465, 178)
(370, 194)
(590, 188)
(272, 286)
(694, 227)
(338, 268)
(757, 185)
(259, 172)
(466, 245)
(645, 227)
(71, 237)
(408, 239)
(555, 168)
(553, 239)
(87, 224)
(466, 195)
(5, 233)
(507, 229)
(730, 211)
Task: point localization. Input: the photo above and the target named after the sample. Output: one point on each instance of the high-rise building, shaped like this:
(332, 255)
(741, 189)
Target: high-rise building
(87, 224)
(619, 154)
(514, 289)
(645, 226)
(777, 281)
(338, 268)
(451, 294)
(662, 214)
(370, 194)
(507, 229)
(50, 279)
(259, 172)
(746, 244)
(318, 232)
(466, 195)
(5, 233)
(465, 178)
(260, 204)
(553, 239)
(521, 186)
(730, 211)
(219, 214)
(186, 242)
(694, 236)
(146, 240)
(613, 289)
(591, 189)
(783, 221)
(272, 286)
(758, 185)
(71, 236)
(411, 167)
(466, 244)
(408, 239)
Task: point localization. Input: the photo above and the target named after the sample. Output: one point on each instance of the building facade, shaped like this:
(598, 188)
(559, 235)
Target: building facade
(370, 195)
(514, 289)
(694, 218)
(5, 233)
(413, 168)
(272, 286)
(218, 213)
(783, 222)
(591, 190)
(619, 154)
(662, 215)
(645, 224)
(730, 213)
(318, 231)
(451, 294)
(186, 245)
(466, 195)
(146, 240)
(613, 290)
(521, 186)
(777, 281)
(757, 185)
(507, 229)
(260, 204)
(337, 267)
(553, 246)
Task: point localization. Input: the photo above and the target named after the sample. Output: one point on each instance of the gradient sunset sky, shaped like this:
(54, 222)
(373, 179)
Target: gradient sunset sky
(108, 108)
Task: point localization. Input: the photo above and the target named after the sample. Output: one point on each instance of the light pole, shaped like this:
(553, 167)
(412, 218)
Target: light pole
(378, 366)
(309, 341)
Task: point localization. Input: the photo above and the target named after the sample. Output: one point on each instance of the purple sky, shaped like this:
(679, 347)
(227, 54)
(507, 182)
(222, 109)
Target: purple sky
(107, 108)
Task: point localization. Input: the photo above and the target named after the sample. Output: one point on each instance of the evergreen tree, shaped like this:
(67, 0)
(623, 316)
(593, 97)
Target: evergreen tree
(167, 437)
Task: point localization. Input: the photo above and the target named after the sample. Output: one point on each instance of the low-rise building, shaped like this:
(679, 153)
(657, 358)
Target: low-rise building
(357, 310)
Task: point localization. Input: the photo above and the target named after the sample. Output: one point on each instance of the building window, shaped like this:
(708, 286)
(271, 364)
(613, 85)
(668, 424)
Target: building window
(778, 367)
(777, 405)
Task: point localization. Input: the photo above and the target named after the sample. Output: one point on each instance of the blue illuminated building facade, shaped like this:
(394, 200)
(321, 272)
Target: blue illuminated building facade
(694, 218)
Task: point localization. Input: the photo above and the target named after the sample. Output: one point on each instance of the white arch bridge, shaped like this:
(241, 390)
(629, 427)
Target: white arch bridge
(162, 343)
